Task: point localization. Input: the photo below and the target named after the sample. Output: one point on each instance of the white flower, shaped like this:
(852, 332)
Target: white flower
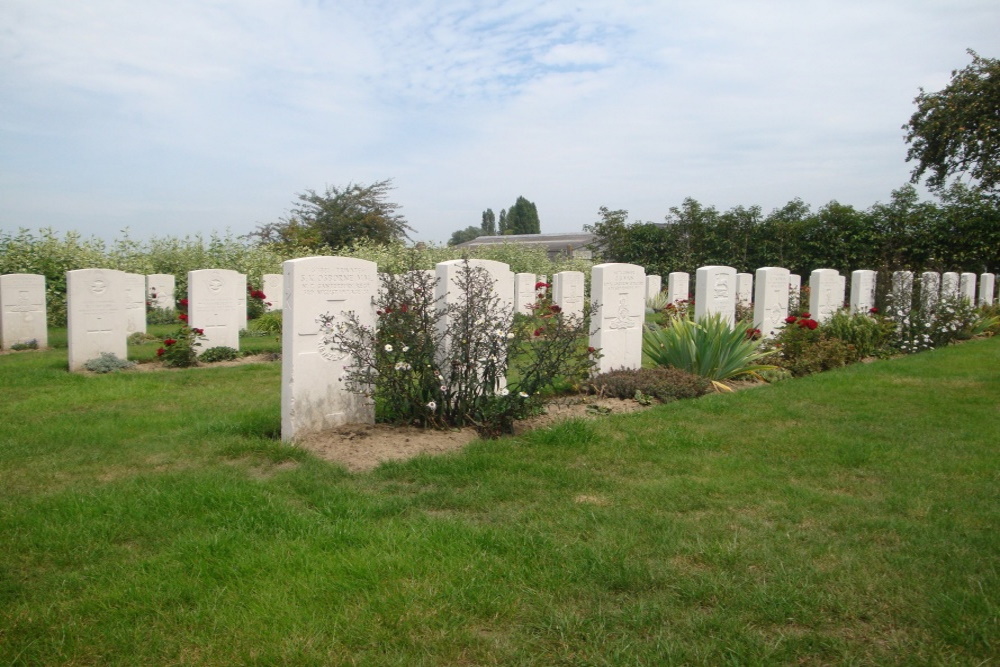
(504, 391)
(388, 348)
(444, 387)
(510, 336)
(432, 406)
(406, 348)
(402, 366)
(522, 394)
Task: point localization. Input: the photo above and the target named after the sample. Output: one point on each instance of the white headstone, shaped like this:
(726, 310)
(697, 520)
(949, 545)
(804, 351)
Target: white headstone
(160, 290)
(274, 289)
(744, 289)
(930, 289)
(568, 292)
(241, 306)
(678, 286)
(950, 285)
(524, 293)
(862, 291)
(313, 395)
(653, 286)
(826, 293)
(770, 302)
(715, 292)
(987, 285)
(95, 315)
(22, 310)
(967, 287)
(902, 292)
(135, 303)
(217, 305)
(618, 291)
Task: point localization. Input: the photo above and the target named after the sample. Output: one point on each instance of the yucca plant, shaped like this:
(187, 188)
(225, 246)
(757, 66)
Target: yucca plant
(710, 347)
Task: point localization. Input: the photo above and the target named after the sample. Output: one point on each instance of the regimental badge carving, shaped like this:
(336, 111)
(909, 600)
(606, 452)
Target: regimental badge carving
(99, 286)
(623, 320)
(722, 286)
(215, 285)
(329, 352)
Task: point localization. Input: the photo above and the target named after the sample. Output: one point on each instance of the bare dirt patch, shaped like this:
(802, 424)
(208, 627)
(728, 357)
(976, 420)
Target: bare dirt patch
(361, 447)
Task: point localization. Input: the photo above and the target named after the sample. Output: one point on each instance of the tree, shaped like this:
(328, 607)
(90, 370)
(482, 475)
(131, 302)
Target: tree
(957, 130)
(340, 217)
(463, 235)
(503, 221)
(489, 225)
(522, 218)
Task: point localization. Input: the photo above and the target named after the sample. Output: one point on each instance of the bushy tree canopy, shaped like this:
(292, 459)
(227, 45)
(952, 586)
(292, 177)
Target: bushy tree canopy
(522, 218)
(957, 129)
(340, 217)
(463, 235)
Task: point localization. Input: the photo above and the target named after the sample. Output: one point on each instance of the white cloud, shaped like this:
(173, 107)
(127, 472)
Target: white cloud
(214, 114)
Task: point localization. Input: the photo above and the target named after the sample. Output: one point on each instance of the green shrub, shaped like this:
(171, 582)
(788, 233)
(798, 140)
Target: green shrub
(220, 353)
(178, 350)
(108, 362)
(803, 348)
(27, 345)
(268, 324)
(161, 316)
(710, 348)
(662, 383)
(140, 338)
(868, 334)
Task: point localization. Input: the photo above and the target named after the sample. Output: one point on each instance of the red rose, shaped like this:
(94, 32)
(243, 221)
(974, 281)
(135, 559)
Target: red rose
(591, 350)
(555, 308)
(183, 303)
(538, 331)
(806, 315)
(198, 332)
(168, 342)
(183, 317)
(808, 324)
(160, 352)
(873, 310)
(541, 285)
(790, 319)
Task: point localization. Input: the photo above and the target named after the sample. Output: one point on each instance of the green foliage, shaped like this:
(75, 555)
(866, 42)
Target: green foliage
(489, 224)
(269, 323)
(804, 348)
(663, 383)
(28, 345)
(868, 335)
(108, 362)
(432, 364)
(219, 353)
(709, 348)
(141, 338)
(957, 129)
(161, 316)
(463, 235)
(179, 350)
(522, 218)
(339, 218)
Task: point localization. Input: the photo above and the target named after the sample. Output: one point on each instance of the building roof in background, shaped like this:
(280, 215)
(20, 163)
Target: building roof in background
(551, 242)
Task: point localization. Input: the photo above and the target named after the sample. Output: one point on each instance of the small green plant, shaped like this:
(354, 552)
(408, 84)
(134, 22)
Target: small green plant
(220, 353)
(662, 383)
(108, 362)
(870, 335)
(710, 348)
(268, 324)
(256, 302)
(27, 345)
(803, 347)
(658, 301)
(161, 316)
(140, 338)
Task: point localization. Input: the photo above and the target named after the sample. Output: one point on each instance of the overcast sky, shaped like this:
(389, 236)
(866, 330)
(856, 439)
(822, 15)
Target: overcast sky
(171, 117)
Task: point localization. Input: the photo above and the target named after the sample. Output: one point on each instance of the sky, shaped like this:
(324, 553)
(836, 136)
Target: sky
(176, 117)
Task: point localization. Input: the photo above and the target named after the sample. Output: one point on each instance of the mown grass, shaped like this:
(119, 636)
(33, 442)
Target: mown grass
(848, 517)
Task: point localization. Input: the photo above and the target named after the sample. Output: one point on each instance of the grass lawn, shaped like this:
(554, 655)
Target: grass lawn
(849, 517)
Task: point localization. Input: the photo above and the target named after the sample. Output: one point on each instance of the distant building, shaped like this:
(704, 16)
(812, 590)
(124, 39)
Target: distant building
(574, 245)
